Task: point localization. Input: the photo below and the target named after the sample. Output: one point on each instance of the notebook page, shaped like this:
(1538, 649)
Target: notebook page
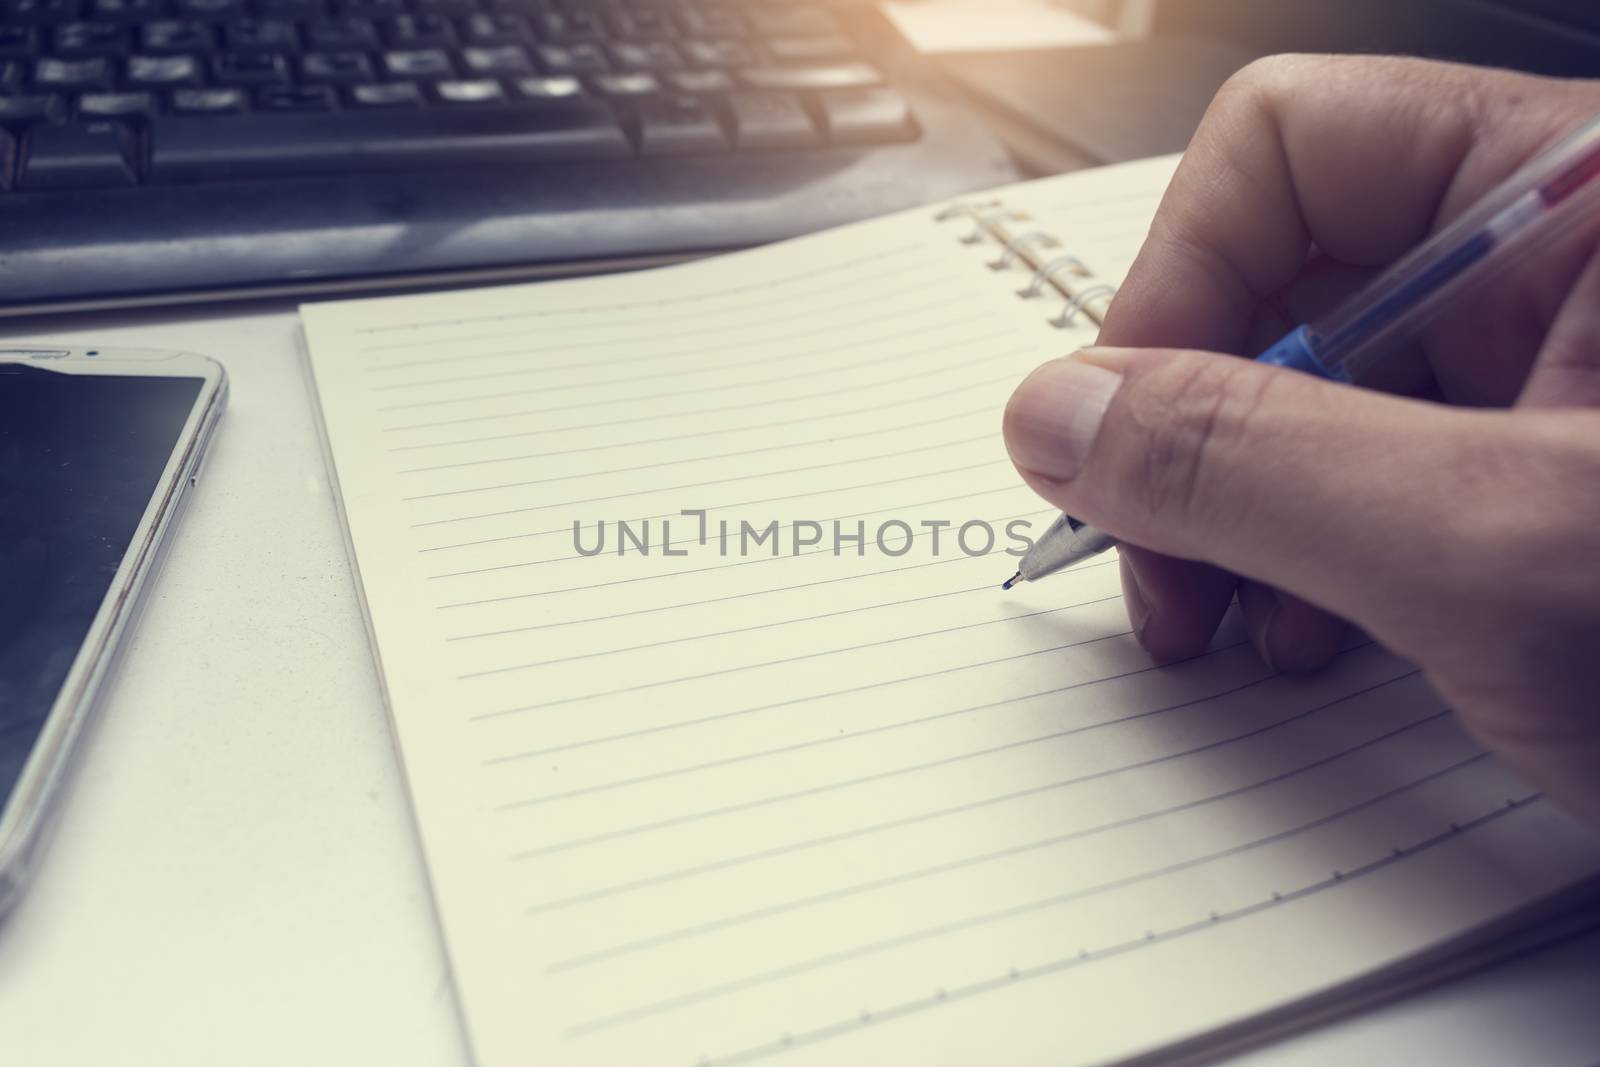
(765, 792)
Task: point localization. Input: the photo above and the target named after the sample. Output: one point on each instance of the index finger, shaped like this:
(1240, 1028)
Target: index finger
(1355, 157)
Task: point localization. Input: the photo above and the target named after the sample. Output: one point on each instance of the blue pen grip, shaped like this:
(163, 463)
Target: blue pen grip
(1294, 350)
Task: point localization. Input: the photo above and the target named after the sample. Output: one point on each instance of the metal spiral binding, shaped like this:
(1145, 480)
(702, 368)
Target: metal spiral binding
(1078, 303)
(983, 214)
(960, 210)
(987, 224)
(1048, 272)
(1020, 245)
(989, 220)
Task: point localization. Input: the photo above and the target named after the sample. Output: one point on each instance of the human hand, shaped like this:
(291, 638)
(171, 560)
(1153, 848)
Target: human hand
(1465, 539)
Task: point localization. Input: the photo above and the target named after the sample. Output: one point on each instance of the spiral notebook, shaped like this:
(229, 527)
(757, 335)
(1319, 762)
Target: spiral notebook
(724, 745)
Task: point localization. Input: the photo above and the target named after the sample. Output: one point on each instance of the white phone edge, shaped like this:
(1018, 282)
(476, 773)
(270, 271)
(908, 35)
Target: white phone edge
(30, 811)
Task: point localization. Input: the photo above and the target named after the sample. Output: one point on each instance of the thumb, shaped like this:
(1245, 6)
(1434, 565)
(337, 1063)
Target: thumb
(1304, 484)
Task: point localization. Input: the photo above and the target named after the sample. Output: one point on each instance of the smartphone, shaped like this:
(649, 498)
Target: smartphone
(99, 450)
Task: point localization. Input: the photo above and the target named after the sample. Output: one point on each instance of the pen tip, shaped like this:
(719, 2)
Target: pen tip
(1011, 581)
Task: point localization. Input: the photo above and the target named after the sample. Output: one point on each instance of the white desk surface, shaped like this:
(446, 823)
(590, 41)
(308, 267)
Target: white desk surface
(234, 880)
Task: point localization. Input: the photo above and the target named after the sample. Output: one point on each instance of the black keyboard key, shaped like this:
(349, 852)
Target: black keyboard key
(859, 116)
(77, 157)
(8, 157)
(645, 55)
(641, 23)
(208, 101)
(36, 107)
(318, 68)
(250, 68)
(418, 63)
(538, 90)
(770, 120)
(677, 125)
(699, 81)
(711, 22)
(261, 35)
(449, 8)
(385, 94)
(168, 36)
(162, 72)
(18, 42)
(128, 107)
(499, 28)
(10, 75)
(719, 53)
(573, 58)
(419, 31)
(210, 9)
(476, 92)
(38, 12)
(505, 59)
(833, 76)
(569, 26)
(291, 10)
(280, 145)
(126, 11)
(296, 98)
(805, 49)
(80, 39)
(633, 83)
(72, 75)
(335, 35)
(372, 10)
(18, 111)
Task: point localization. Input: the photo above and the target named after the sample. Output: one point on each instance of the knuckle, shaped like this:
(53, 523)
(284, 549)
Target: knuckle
(1192, 417)
(1262, 82)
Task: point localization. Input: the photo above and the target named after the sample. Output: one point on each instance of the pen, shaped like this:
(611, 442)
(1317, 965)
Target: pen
(1528, 209)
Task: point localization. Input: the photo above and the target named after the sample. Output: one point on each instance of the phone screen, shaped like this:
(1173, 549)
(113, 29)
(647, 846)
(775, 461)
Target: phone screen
(80, 457)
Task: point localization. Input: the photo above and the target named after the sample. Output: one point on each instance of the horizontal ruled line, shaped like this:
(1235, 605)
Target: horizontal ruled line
(987, 587)
(909, 723)
(1085, 957)
(834, 465)
(928, 816)
(635, 305)
(897, 357)
(694, 316)
(729, 597)
(998, 915)
(906, 724)
(719, 455)
(741, 668)
(852, 387)
(706, 457)
(674, 438)
(737, 713)
(719, 330)
(901, 878)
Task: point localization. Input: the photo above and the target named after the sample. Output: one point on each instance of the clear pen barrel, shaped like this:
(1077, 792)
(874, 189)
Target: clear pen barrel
(1527, 213)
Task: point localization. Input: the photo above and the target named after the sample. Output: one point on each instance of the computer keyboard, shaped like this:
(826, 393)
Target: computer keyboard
(152, 121)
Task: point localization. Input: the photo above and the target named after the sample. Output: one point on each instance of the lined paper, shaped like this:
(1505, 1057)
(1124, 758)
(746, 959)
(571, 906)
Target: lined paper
(849, 802)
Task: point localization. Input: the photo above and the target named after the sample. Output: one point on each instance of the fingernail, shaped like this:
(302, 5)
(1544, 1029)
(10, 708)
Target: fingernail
(1053, 417)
